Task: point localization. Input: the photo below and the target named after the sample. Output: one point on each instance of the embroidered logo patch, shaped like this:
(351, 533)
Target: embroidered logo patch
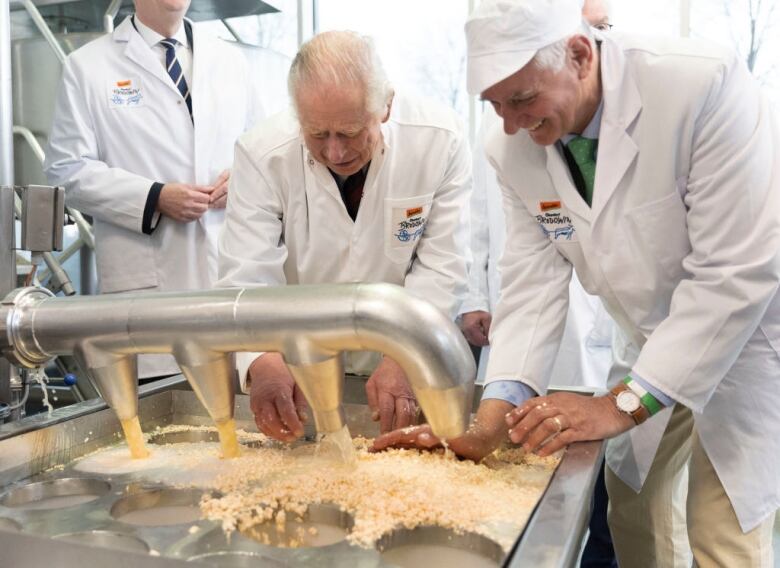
(413, 211)
(125, 93)
(549, 205)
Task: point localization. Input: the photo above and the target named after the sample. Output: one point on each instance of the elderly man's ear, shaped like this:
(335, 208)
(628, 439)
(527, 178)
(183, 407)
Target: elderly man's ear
(581, 54)
(389, 107)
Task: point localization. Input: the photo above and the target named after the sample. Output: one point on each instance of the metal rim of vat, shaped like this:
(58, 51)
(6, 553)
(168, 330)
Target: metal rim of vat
(37, 491)
(237, 559)
(436, 535)
(321, 513)
(150, 499)
(106, 539)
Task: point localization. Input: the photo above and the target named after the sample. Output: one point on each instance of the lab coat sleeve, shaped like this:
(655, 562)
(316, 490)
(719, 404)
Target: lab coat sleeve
(73, 160)
(531, 313)
(477, 298)
(439, 271)
(732, 201)
(251, 247)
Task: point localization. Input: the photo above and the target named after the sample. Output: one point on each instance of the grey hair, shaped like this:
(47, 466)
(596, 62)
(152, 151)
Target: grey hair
(340, 58)
(553, 57)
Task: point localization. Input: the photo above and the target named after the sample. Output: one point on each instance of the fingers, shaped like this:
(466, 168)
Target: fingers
(475, 335)
(222, 178)
(289, 415)
(373, 398)
(530, 420)
(386, 411)
(270, 424)
(405, 412)
(544, 432)
(220, 203)
(557, 443)
(301, 405)
(419, 437)
(518, 413)
(219, 194)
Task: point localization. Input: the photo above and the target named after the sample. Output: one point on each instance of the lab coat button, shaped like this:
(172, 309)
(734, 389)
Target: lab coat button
(311, 162)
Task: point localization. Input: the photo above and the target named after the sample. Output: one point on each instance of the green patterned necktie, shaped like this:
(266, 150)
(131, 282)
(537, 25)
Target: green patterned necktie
(583, 150)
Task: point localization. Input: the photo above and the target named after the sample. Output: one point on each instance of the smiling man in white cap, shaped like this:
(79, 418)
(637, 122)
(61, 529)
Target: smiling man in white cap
(652, 168)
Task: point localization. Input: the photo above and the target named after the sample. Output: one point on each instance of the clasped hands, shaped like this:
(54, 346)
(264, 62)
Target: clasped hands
(187, 202)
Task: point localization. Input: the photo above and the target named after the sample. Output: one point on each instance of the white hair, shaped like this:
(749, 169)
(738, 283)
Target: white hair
(341, 58)
(553, 57)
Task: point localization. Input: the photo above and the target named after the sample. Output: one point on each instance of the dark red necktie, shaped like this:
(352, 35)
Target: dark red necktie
(352, 192)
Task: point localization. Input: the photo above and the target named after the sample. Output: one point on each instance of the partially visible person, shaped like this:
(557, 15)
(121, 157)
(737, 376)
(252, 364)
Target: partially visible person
(355, 184)
(142, 140)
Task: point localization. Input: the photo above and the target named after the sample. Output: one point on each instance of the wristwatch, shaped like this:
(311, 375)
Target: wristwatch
(628, 402)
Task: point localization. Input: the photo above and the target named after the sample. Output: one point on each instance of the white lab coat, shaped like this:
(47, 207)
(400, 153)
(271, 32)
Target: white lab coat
(585, 357)
(107, 153)
(287, 224)
(682, 244)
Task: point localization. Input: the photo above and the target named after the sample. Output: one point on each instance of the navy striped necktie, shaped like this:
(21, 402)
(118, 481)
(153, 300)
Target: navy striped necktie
(175, 71)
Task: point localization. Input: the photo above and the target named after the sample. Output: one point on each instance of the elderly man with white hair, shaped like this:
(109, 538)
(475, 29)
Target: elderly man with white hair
(652, 168)
(357, 184)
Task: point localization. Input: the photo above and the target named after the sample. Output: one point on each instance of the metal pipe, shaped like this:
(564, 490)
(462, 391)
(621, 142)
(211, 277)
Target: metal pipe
(309, 325)
(7, 254)
(111, 12)
(85, 229)
(63, 257)
(43, 27)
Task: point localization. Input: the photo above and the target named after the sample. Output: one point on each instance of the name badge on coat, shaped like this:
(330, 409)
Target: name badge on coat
(125, 93)
(555, 223)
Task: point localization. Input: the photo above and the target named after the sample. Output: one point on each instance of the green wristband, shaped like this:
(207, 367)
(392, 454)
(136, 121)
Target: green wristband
(648, 400)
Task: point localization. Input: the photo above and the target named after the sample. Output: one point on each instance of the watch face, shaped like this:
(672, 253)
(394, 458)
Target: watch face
(628, 402)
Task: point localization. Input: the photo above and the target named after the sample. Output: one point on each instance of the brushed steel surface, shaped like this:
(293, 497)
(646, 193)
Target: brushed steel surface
(424, 535)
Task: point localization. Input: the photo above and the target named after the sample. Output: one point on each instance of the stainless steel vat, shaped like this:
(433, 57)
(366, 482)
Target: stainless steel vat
(32, 446)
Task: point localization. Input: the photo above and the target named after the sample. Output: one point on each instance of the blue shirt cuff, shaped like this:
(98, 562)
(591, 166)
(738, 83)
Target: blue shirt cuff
(659, 396)
(513, 392)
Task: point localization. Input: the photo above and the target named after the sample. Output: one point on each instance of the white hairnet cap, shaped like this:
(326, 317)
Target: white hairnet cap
(504, 35)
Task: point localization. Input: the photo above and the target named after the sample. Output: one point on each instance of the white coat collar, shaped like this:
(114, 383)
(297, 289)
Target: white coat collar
(617, 150)
(139, 52)
(622, 105)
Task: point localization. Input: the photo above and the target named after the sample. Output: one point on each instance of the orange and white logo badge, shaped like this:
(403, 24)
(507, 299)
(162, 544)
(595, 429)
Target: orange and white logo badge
(549, 205)
(413, 211)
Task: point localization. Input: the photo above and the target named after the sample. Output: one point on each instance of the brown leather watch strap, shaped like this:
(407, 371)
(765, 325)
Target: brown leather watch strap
(640, 414)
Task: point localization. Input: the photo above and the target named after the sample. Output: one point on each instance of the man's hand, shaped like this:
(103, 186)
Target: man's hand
(183, 202)
(562, 418)
(278, 404)
(218, 198)
(476, 326)
(483, 436)
(390, 398)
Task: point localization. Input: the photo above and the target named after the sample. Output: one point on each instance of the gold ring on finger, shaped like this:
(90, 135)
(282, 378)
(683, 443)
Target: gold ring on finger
(558, 423)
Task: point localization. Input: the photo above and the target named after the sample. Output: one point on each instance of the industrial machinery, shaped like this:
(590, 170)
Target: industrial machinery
(309, 325)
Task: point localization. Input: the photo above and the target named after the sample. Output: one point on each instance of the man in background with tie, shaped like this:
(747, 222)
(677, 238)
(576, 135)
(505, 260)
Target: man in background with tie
(142, 139)
(651, 167)
(354, 184)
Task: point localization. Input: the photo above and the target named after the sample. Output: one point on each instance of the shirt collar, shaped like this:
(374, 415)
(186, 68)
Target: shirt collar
(592, 130)
(152, 38)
